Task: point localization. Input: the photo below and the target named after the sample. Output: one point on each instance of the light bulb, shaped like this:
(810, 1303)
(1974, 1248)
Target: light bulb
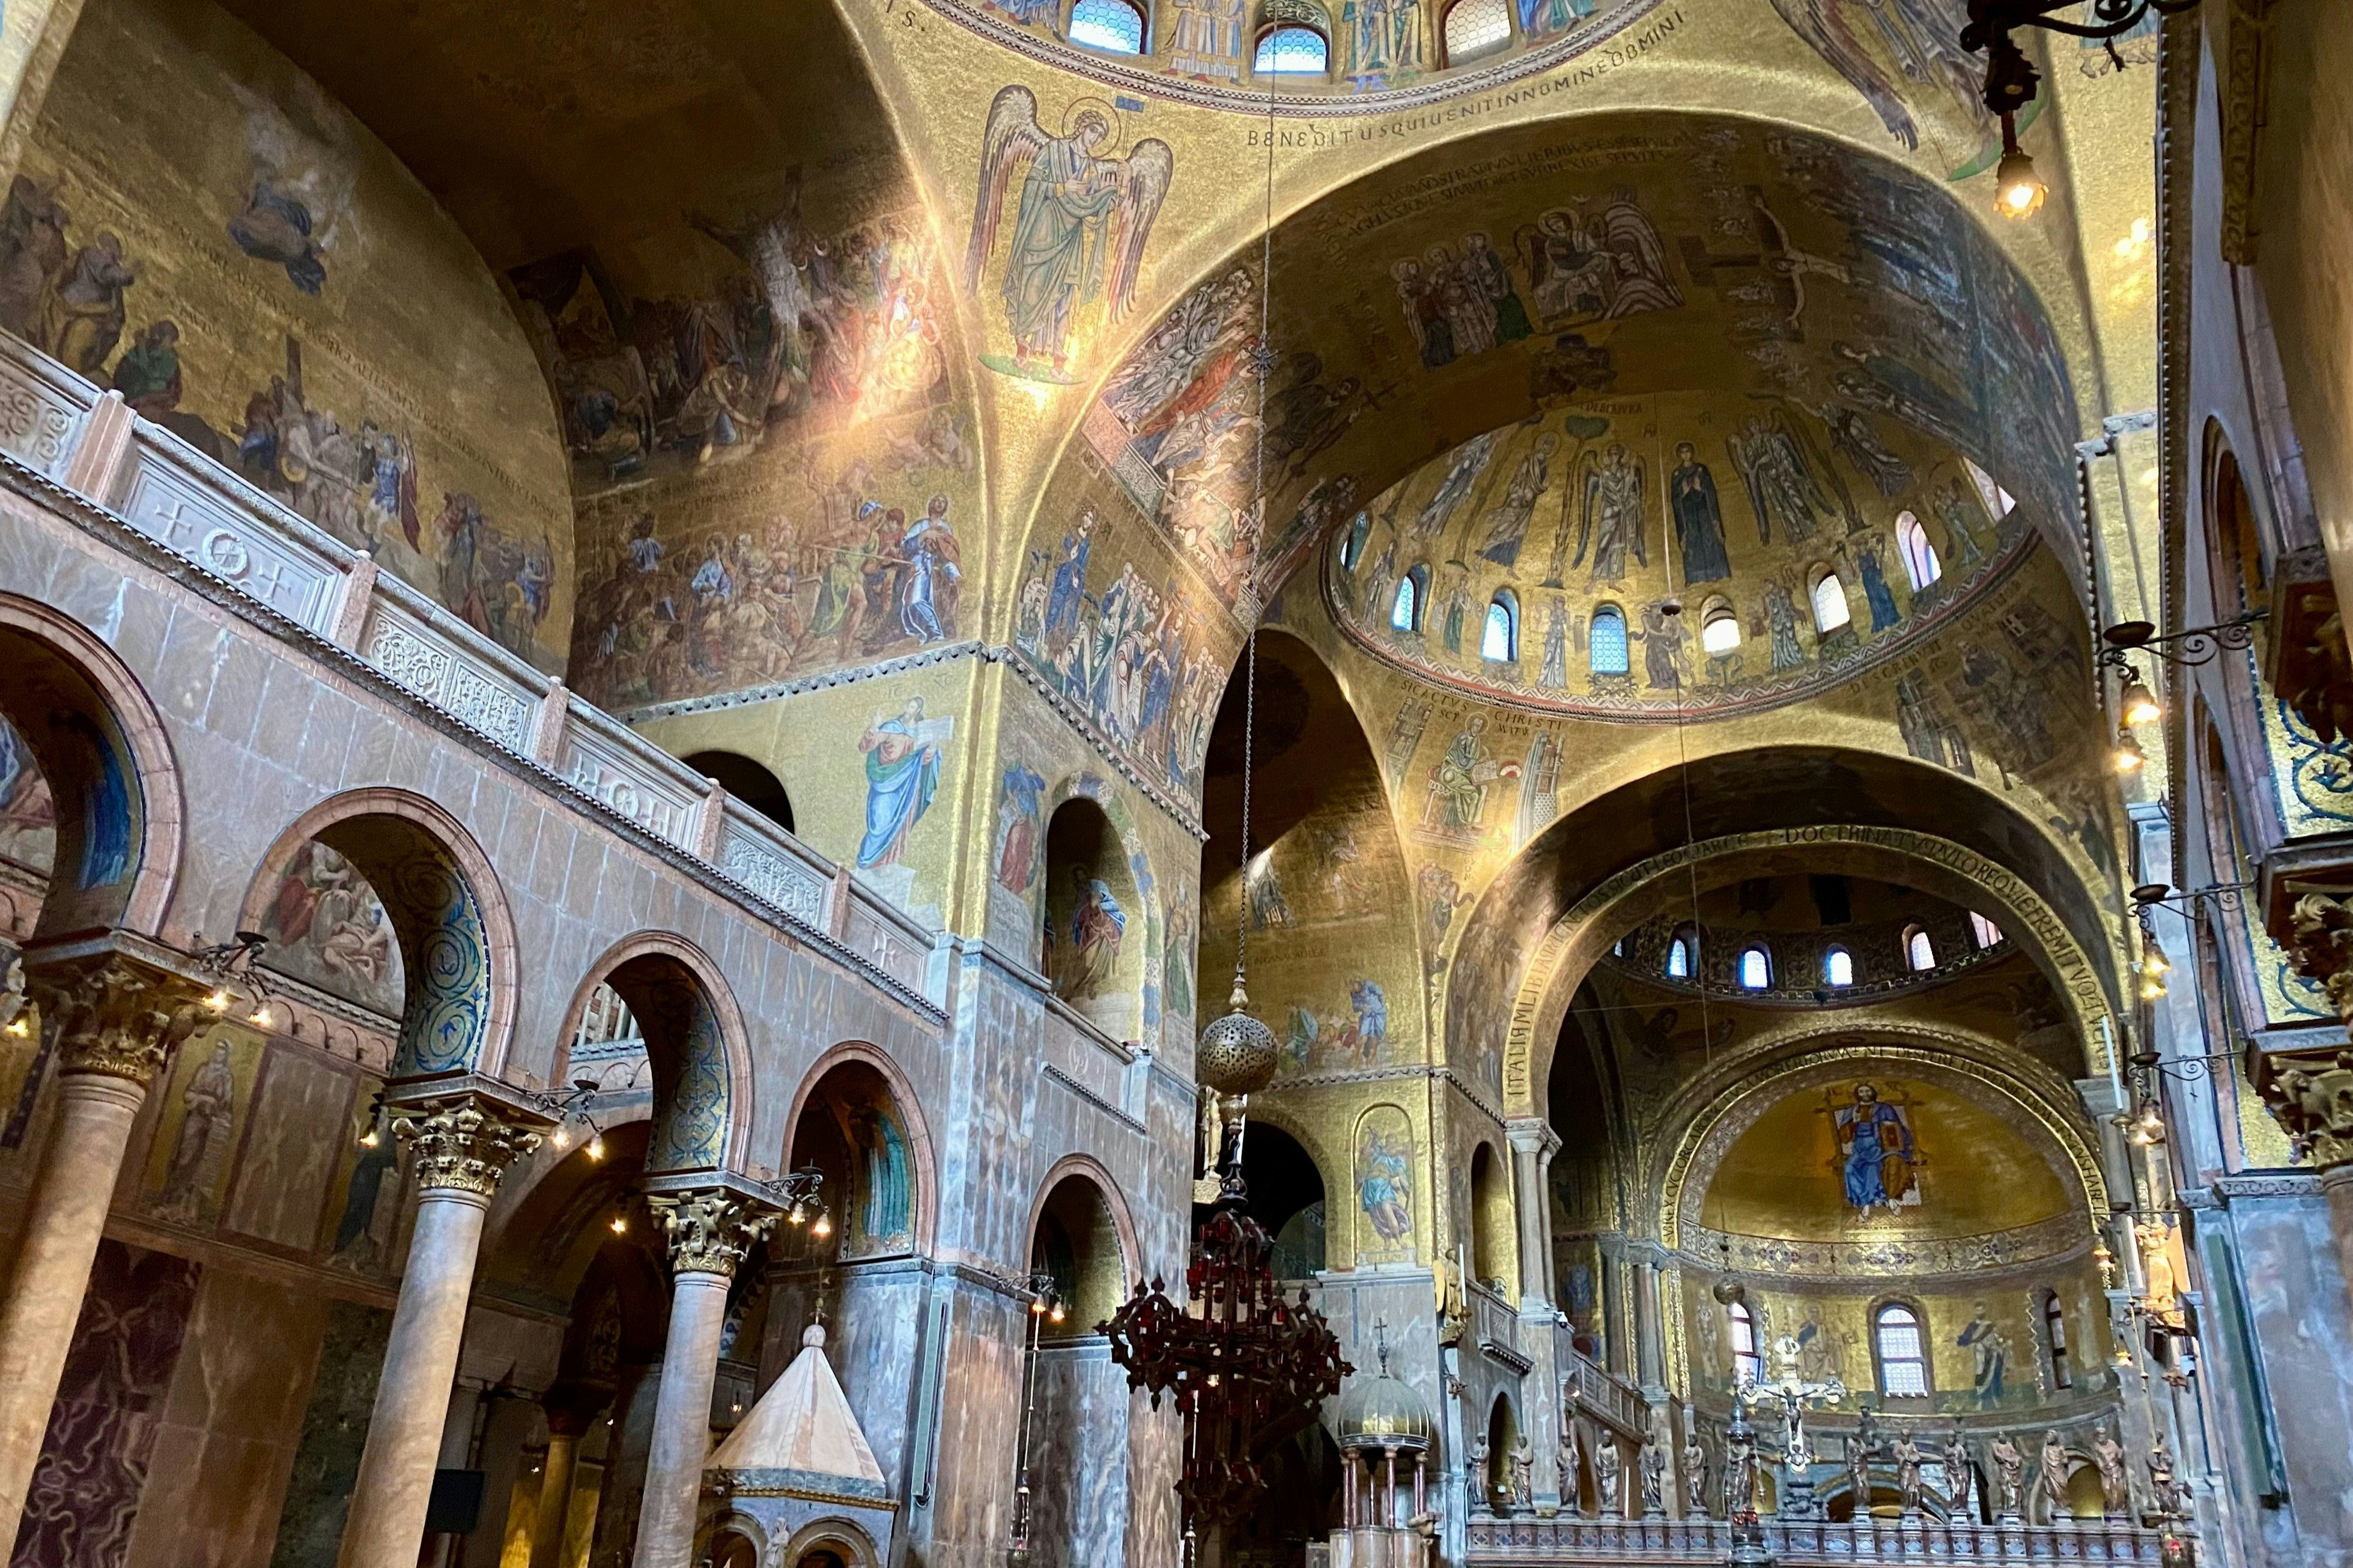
(2152, 958)
(19, 1027)
(219, 1000)
(2128, 756)
(621, 1225)
(370, 1138)
(1055, 1315)
(563, 1139)
(596, 1145)
(2019, 190)
(262, 1017)
(798, 1214)
(2140, 704)
(1036, 1306)
(2152, 986)
(823, 1226)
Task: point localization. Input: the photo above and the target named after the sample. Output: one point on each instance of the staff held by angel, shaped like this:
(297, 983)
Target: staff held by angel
(1078, 227)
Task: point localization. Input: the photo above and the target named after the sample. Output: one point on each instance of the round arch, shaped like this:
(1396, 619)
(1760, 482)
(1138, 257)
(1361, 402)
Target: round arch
(1963, 874)
(923, 1221)
(1113, 1200)
(859, 1549)
(1742, 1086)
(712, 1073)
(121, 809)
(446, 905)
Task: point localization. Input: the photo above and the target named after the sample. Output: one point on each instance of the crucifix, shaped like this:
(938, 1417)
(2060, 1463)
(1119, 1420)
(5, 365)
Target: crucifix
(1792, 1393)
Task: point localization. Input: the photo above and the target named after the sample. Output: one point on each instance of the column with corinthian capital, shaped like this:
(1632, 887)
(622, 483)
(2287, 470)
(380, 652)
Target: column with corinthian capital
(116, 1020)
(710, 1231)
(463, 1145)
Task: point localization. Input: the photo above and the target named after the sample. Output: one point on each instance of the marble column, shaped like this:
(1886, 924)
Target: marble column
(1533, 1144)
(116, 1023)
(463, 1145)
(1649, 1340)
(710, 1231)
(567, 1423)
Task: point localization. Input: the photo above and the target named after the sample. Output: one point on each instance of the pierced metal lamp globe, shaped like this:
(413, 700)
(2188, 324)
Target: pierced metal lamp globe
(1237, 1055)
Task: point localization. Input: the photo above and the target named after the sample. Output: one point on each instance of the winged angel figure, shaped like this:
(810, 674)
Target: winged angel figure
(1079, 231)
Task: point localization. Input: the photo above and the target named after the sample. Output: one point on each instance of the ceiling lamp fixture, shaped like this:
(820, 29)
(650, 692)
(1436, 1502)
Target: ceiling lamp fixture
(2018, 191)
(2128, 757)
(2140, 704)
(2010, 77)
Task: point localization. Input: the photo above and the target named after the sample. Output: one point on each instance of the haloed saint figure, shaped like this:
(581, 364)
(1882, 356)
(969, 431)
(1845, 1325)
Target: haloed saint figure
(1876, 1154)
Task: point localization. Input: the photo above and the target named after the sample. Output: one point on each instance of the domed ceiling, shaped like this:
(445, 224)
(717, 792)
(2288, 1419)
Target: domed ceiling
(1664, 556)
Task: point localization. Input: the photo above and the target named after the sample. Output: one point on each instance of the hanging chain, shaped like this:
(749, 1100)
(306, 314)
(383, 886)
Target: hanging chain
(1262, 362)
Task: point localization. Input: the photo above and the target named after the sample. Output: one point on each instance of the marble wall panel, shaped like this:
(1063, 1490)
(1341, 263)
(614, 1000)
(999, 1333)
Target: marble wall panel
(292, 1145)
(335, 1430)
(101, 1440)
(1078, 1472)
(2295, 1298)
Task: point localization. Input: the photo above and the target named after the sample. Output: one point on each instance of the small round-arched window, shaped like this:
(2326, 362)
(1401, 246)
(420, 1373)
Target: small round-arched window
(1501, 642)
(1747, 1366)
(1292, 50)
(1920, 563)
(1919, 952)
(1113, 25)
(1838, 968)
(1756, 967)
(1606, 642)
(1982, 931)
(1405, 612)
(1352, 548)
(1475, 27)
(1682, 956)
(1903, 1355)
(1831, 611)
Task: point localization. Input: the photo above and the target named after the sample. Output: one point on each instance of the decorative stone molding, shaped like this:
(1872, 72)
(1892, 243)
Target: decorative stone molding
(2320, 940)
(2313, 1102)
(710, 1230)
(463, 1145)
(115, 1016)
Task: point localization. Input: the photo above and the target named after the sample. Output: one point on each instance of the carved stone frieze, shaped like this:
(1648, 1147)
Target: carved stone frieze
(2313, 1100)
(116, 1016)
(710, 1231)
(2320, 937)
(462, 1144)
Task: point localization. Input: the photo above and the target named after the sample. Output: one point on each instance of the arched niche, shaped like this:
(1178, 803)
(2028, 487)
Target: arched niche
(1495, 1238)
(1076, 1241)
(751, 784)
(854, 1125)
(1095, 935)
(448, 913)
(1590, 1176)
(1502, 1435)
(1286, 1197)
(698, 1060)
(87, 776)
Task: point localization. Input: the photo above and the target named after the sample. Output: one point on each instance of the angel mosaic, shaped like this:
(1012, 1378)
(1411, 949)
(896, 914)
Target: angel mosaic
(1079, 227)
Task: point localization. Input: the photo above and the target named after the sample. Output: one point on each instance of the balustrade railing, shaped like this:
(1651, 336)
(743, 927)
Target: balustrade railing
(1569, 1539)
(1604, 1394)
(63, 428)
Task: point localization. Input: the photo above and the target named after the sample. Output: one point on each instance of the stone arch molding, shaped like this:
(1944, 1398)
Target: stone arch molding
(457, 933)
(703, 1116)
(921, 1161)
(1570, 948)
(1749, 1084)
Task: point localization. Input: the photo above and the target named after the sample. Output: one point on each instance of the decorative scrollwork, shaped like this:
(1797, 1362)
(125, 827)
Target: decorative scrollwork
(2186, 649)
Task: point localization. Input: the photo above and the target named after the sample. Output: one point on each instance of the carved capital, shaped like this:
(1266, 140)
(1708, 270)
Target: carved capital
(462, 1144)
(2313, 1102)
(116, 1016)
(2320, 937)
(710, 1231)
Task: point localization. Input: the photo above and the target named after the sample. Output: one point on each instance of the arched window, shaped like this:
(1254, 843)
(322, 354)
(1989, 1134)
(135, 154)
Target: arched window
(1756, 967)
(1920, 563)
(1107, 24)
(2055, 1324)
(1919, 952)
(1985, 932)
(1682, 955)
(1903, 1359)
(1405, 614)
(1719, 629)
(1501, 642)
(747, 782)
(1475, 27)
(1838, 967)
(1998, 500)
(1352, 548)
(1606, 642)
(1830, 604)
(1292, 51)
(1747, 1366)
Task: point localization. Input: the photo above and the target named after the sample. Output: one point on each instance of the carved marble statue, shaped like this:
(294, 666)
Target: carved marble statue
(2052, 1461)
(1908, 1456)
(1523, 1486)
(1960, 1476)
(1739, 1470)
(1567, 1460)
(1606, 1460)
(1482, 1480)
(2165, 1490)
(2009, 1473)
(1653, 1467)
(1694, 1476)
(2116, 1500)
(1858, 1467)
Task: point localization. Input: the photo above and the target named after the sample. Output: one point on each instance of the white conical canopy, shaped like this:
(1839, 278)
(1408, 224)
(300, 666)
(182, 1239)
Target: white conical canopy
(802, 1423)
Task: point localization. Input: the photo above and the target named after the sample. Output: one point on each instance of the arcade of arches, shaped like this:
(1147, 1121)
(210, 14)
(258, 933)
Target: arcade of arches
(657, 662)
